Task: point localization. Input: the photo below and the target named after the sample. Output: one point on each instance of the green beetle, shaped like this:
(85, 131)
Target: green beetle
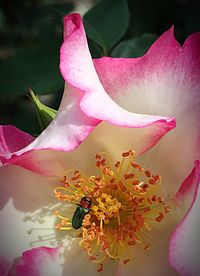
(82, 209)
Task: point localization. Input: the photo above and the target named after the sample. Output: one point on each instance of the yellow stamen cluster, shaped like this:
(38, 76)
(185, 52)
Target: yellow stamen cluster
(106, 208)
(126, 201)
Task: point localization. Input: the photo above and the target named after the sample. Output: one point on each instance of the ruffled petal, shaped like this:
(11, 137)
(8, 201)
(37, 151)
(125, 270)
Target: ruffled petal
(27, 202)
(184, 248)
(81, 74)
(165, 82)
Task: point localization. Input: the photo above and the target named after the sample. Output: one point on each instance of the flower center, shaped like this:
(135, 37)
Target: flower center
(105, 208)
(113, 209)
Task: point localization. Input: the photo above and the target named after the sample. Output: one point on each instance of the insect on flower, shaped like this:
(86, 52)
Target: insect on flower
(82, 209)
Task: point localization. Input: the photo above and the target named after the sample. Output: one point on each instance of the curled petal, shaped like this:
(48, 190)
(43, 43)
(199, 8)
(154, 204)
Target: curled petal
(186, 192)
(81, 74)
(184, 248)
(70, 127)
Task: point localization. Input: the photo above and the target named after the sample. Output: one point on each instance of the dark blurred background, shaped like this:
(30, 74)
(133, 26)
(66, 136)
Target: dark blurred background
(31, 34)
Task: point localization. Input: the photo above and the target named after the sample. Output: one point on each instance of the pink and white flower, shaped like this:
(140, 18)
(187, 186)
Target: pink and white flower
(109, 105)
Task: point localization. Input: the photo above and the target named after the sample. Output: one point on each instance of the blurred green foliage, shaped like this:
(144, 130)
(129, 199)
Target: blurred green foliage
(134, 47)
(109, 21)
(31, 35)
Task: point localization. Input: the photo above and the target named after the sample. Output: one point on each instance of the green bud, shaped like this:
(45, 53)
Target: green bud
(45, 114)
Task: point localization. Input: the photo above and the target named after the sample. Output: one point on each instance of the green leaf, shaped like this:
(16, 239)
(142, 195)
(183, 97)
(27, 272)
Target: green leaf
(96, 50)
(134, 47)
(107, 22)
(95, 36)
(45, 114)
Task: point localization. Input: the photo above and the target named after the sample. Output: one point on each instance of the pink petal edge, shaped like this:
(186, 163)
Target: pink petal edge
(38, 262)
(5, 266)
(12, 140)
(189, 185)
(184, 249)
